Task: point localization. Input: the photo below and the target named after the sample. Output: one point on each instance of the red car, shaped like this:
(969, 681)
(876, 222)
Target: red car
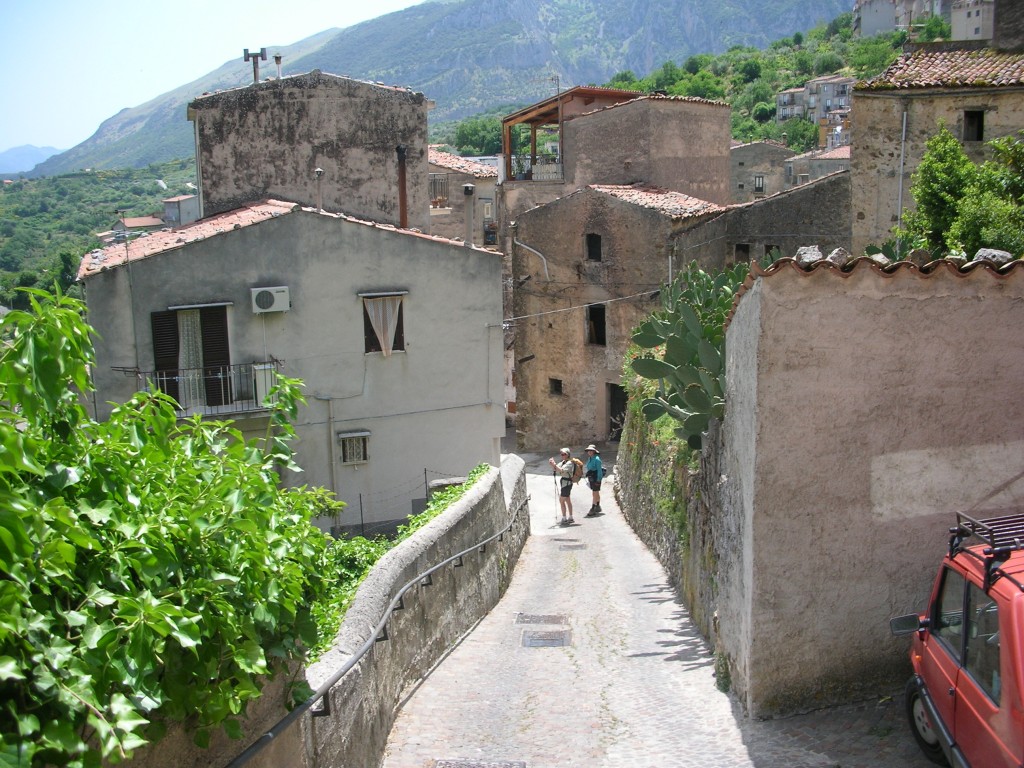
(965, 699)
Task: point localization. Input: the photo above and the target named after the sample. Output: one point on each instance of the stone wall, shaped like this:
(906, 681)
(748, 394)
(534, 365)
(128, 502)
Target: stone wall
(433, 618)
(876, 154)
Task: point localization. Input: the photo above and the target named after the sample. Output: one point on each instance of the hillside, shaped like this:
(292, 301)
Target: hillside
(469, 55)
(24, 158)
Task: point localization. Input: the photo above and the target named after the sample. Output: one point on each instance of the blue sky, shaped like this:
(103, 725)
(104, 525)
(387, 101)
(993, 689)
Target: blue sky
(70, 64)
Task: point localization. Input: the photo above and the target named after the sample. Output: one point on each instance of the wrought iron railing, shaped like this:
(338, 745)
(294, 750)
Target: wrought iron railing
(213, 390)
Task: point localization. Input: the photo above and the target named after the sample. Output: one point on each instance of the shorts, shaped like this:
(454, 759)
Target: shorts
(594, 483)
(566, 489)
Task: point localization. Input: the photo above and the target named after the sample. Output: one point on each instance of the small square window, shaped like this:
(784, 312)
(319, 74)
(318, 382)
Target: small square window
(741, 252)
(555, 386)
(355, 447)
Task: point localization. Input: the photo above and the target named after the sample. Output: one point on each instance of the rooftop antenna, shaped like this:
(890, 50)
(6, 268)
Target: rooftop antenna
(255, 58)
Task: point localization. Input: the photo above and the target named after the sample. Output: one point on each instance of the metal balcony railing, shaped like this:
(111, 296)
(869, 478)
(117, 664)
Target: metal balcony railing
(214, 390)
(541, 168)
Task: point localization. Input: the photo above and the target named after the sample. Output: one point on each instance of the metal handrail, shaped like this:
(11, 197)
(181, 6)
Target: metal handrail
(379, 634)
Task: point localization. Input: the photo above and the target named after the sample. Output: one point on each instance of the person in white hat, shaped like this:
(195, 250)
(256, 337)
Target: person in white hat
(564, 469)
(595, 473)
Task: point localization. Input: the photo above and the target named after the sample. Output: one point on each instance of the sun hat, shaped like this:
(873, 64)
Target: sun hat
(593, 448)
(565, 451)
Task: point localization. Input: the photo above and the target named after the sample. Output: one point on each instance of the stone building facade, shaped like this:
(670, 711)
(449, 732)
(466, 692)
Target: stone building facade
(977, 93)
(269, 139)
(757, 168)
(450, 205)
(587, 268)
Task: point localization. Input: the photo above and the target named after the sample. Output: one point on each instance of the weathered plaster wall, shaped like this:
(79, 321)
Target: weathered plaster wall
(419, 414)
(434, 617)
(1009, 26)
(668, 143)
(267, 139)
(875, 155)
(848, 447)
(636, 244)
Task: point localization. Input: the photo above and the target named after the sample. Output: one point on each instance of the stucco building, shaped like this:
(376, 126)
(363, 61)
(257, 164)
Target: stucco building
(854, 448)
(977, 93)
(325, 286)
(373, 319)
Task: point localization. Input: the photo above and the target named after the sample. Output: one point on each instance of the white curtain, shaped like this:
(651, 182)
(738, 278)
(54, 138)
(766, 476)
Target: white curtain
(383, 312)
(191, 391)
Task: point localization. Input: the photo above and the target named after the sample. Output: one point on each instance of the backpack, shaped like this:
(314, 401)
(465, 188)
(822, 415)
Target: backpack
(577, 470)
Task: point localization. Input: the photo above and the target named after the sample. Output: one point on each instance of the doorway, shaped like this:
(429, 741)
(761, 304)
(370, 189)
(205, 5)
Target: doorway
(616, 411)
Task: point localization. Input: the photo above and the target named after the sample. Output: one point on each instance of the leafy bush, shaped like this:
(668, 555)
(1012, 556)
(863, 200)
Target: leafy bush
(150, 570)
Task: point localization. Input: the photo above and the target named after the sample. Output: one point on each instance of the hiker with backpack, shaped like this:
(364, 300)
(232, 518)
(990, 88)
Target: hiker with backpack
(568, 471)
(595, 473)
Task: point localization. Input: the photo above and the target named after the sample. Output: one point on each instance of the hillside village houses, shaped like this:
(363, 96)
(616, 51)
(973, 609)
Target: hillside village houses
(306, 262)
(457, 211)
(757, 168)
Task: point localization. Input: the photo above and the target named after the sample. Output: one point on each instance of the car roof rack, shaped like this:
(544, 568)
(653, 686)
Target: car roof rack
(1002, 535)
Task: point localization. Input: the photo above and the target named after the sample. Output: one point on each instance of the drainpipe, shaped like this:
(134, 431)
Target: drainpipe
(470, 211)
(403, 203)
(541, 255)
(903, 153)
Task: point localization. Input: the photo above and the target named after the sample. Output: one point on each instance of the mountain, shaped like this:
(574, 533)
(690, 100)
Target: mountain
(470, 55)
(18, 159)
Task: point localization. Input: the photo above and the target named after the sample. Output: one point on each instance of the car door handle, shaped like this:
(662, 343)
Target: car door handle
(951, 691)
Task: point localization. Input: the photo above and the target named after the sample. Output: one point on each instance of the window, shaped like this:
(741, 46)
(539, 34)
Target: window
(593, 247)
(789, 170)
(983, 641)
(191, 355)
(740, 186)
(355, 447)
(555, 386)
(439, 190)
(595, 324)
(741, 252)
(383, 322)
(974, 125)
(948, 623)
(977, 30)
(742, 164)
(759, 183)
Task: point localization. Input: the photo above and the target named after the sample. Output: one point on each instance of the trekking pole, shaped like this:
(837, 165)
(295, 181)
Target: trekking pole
(558, 503)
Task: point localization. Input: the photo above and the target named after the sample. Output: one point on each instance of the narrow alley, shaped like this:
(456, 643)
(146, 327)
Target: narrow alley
(590, 660)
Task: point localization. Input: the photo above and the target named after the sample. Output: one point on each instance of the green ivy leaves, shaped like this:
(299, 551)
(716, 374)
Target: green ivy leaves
(150, 569)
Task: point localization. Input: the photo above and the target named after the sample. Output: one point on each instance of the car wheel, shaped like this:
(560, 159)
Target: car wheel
(921, 725)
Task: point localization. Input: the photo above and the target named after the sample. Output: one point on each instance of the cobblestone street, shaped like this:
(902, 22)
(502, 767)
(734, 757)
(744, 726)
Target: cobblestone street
(590, 660)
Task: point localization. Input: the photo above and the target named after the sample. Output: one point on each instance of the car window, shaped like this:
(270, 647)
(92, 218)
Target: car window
(983, 641)
(948, 619)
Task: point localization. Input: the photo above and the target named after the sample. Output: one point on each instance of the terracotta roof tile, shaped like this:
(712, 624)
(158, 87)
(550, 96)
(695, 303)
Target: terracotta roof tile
(674, 204)
(653, 97)
(943, 266)
(154, 243)
(985, 68)
(461, 164)
(158, 242)
(143, 221)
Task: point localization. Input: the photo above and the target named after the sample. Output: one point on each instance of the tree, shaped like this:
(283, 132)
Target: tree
(624, 79)
(935, 28)
(990, 213)
(798, 39)
(150, 569)
(938, 184)
(763, 112)
(827, 62)
(479, 136)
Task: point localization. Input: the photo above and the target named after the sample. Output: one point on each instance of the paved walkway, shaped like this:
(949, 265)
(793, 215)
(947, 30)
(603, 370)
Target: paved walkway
(589, 660)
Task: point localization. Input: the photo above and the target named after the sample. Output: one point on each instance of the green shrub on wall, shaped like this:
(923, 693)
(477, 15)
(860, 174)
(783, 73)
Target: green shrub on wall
(150, 570)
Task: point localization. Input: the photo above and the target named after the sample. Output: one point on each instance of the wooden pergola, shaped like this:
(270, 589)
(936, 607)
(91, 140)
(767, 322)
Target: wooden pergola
(554, 111)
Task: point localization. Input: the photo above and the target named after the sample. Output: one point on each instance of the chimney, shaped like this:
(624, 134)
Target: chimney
(470, 209)
(255, 58)
(403, 205)
(277, 61)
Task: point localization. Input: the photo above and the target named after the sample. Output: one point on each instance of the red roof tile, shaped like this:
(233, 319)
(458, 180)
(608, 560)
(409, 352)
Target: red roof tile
(985, 68)
(674, 204)
(461, 164)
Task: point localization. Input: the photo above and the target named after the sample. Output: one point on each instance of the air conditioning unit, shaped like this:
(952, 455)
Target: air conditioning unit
(270, 300)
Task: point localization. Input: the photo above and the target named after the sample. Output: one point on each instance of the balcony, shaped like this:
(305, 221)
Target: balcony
(223, 390)
(537, 168)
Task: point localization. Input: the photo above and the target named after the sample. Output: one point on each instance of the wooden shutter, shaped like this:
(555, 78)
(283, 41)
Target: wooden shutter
(165, 351)
(216, 356)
